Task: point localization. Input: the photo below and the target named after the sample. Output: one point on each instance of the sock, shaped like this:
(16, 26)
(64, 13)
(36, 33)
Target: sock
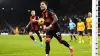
(40, 38)
(32, 38)
(82, 39)
(75, 37)
(47, 47)
(65, 43)
(71, 37)
(90, 40)
(79, 39)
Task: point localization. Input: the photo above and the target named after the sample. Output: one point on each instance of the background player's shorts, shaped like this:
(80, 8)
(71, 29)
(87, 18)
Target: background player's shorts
(81, 33)
(34, 31)
(72, 31)
(89, 30)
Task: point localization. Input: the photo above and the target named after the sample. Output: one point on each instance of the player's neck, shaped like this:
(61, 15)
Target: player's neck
(89, 16)
(44, 10)
(33, 15)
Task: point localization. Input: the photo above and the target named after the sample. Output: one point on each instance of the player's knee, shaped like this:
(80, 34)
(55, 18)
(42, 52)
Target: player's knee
(30, 33)
(48, 40)
(60, 40)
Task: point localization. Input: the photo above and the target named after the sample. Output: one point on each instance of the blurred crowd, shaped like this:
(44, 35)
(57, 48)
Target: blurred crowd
(63, 23)
(4, 29)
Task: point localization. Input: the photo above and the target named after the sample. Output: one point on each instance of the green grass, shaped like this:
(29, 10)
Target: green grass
(22, 45)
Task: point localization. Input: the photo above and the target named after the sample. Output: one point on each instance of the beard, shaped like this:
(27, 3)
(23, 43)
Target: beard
(42, 9)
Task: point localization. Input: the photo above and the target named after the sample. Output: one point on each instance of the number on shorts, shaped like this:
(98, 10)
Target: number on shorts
(58, 33)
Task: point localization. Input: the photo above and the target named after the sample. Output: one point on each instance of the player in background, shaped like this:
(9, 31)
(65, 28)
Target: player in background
(34, 28)
(52, 28)
(43, 32)
(17, 31)
(80, 29)
(89, 27)
(72, 26)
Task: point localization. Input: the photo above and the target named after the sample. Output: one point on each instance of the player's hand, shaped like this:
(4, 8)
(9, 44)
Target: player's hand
(27, 26)
(33, 20)
(47, 28)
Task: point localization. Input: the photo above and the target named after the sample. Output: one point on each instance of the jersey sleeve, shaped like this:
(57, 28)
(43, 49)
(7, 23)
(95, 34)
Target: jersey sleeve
(30, 18)
(51, 12)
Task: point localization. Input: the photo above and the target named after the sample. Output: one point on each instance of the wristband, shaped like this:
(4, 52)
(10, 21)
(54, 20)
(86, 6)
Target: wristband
(50, 25)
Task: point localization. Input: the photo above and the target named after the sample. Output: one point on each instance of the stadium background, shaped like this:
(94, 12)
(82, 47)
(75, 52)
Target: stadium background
(16, 12)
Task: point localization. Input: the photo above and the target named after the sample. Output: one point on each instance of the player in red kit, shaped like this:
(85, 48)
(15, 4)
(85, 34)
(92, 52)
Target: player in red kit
(52, 28)
(34, 28)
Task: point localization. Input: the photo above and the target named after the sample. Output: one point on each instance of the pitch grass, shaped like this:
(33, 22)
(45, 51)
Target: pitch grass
(22, 45)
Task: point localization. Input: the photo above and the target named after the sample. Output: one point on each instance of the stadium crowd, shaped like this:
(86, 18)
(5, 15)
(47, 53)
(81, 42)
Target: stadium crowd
(63, 22)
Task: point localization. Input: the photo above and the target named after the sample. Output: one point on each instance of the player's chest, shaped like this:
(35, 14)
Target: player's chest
(71, 25)
(47, 17)
(89, 20)
(80, 25)
(34, 17)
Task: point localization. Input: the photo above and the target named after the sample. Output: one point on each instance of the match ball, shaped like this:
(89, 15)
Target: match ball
(41, 21)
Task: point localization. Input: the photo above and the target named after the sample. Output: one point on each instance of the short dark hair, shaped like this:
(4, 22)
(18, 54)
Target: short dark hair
(45, 2)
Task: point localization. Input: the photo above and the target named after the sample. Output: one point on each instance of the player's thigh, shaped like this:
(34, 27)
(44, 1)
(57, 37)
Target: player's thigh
(37, 32)
(49, 36)
(89, 31)
(58, 36)
(30, 33)
(73, 32)
(81, 33)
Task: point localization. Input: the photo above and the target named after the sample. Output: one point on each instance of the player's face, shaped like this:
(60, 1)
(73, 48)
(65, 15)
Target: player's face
(79, 20)
(89, 14)
(43, 6)
(70, 20)
(33, 13)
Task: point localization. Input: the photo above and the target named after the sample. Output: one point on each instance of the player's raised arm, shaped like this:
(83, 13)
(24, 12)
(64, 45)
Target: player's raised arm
(27, 25)
(55, 18)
